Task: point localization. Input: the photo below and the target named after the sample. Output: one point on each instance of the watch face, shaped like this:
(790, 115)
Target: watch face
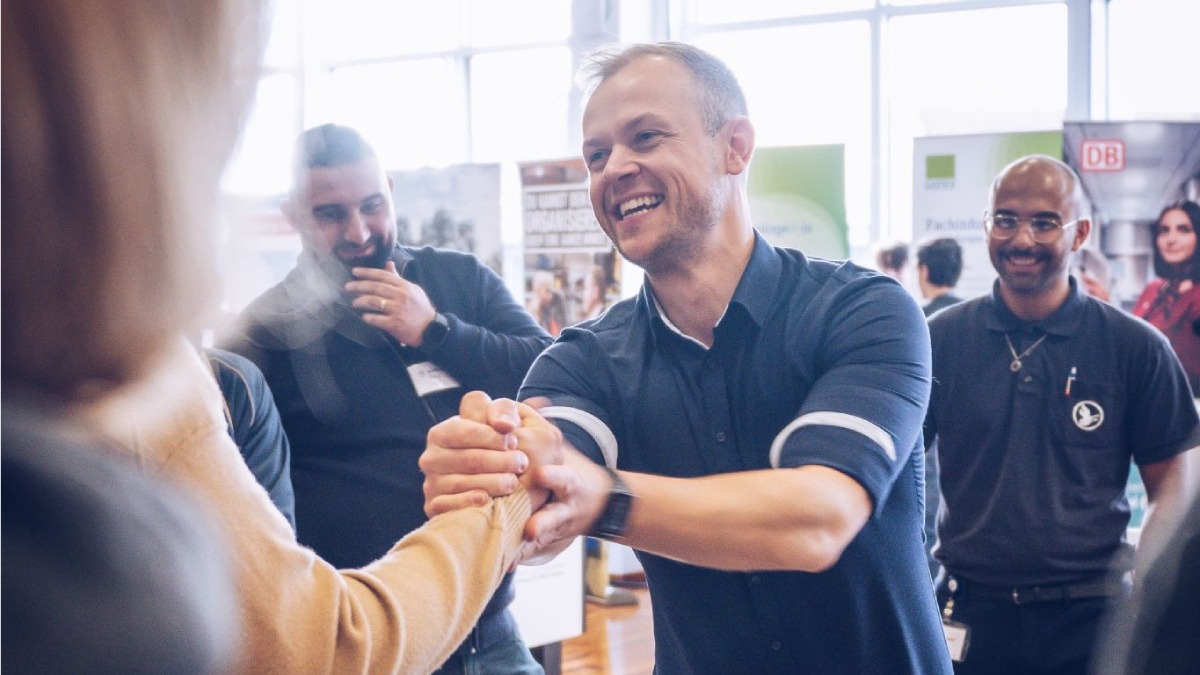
(436, 332)
(613, 521)
(616, 515)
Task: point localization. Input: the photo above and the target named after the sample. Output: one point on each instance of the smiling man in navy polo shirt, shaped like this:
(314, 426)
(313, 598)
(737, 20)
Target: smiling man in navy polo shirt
(751, 422)
(1041, 397)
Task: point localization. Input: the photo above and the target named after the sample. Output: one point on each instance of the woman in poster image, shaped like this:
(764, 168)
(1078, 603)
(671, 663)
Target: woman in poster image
(546, 303)
(1172, 301)
(595, 294)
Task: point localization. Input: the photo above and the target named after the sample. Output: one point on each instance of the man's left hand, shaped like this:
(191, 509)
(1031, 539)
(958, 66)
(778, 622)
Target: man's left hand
(392, 303)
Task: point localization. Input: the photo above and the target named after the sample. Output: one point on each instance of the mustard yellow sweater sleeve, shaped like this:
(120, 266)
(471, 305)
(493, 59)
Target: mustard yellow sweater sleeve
(404, 613)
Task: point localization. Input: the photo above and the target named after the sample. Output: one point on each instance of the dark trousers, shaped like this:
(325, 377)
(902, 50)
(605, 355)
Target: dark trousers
(1055, 637)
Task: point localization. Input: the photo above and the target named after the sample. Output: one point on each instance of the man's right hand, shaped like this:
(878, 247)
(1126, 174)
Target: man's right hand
(472, 457)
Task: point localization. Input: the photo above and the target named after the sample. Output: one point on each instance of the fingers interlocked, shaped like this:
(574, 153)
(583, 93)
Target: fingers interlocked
(480, 453)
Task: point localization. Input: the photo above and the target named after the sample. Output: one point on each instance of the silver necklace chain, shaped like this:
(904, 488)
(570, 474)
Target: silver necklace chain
(1016, 362)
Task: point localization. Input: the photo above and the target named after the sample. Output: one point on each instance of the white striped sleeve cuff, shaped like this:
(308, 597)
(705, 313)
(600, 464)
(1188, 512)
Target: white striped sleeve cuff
(599, 431)
(834, 419)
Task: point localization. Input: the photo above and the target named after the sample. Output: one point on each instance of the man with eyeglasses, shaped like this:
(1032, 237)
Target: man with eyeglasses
(1041, 398)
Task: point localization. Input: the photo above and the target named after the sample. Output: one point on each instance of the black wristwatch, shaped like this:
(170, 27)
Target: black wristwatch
(435, 333)
(615, 518)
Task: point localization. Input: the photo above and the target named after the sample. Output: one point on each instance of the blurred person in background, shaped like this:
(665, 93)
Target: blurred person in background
(1153, 632)
(595, 294)
(1094, 274)
(1171, 302)
(547, 304)
(892, 260)
(939, 265)
(118, 120)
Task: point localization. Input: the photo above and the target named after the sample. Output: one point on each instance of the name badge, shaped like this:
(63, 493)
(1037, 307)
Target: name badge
(428, 378)
(958, 636)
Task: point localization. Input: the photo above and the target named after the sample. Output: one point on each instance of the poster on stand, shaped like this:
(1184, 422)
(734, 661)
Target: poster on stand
(572, 270)
(1130, 172)
(798, 198)
(952, 177)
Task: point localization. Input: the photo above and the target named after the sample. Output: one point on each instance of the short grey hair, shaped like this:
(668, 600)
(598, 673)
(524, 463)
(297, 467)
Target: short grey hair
(328, 145)
(719, 96)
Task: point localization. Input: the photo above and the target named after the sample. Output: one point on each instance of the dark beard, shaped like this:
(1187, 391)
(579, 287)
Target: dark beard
(378, 259)
(337, 271)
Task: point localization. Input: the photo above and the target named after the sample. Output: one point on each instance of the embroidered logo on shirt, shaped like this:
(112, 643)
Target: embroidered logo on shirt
(1088, 415)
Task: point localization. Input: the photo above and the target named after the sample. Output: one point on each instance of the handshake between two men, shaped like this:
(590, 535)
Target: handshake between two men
(491, 448)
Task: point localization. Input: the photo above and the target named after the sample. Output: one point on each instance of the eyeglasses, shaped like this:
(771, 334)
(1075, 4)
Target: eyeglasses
(1045, 229)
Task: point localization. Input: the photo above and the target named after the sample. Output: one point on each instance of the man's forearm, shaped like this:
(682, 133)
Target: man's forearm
(798, 519)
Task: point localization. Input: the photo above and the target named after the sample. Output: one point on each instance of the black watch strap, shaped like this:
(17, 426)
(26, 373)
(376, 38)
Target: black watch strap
(615, 517)
(435, 333)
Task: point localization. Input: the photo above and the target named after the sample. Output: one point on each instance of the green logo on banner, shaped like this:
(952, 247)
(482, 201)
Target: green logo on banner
(939, 167)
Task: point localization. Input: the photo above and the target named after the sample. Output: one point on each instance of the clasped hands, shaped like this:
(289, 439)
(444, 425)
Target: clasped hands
(491, 447)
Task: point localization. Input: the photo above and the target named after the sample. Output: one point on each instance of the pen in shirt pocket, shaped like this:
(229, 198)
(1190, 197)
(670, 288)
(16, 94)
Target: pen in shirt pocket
(1070, 379)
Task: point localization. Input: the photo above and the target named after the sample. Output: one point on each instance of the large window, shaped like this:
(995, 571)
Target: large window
(449, 81)
(701, 12)
(413, 111)
(520, 104)
(873, 75)
(894, 70)
(1151, 66)
(795, 99)
(430, 83)
(259, 164)
(973, 71)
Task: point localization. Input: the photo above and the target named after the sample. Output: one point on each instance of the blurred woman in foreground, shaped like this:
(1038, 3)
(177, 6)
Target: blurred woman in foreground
(118, 119)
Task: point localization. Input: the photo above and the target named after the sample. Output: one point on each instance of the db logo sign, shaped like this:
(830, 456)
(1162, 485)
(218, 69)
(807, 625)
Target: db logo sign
(1099, 155)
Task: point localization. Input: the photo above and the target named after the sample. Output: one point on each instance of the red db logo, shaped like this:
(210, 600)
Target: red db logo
(1101, 155)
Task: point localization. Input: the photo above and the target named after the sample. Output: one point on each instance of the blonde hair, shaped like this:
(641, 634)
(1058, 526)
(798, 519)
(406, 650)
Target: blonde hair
(118, 119)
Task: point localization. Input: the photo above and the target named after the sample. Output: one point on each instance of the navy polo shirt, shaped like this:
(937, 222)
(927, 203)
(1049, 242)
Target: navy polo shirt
(255, 426)
(813, 362)
(1034, 463)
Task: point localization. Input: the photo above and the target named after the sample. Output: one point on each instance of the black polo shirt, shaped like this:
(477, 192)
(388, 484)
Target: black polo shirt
(1034, 463)
(813, 362)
